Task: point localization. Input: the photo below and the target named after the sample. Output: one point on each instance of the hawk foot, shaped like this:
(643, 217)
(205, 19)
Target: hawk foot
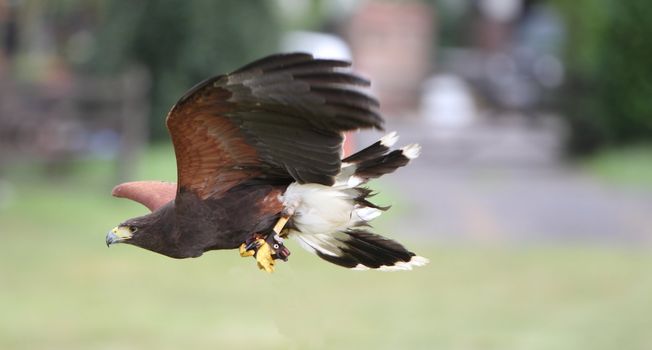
(263, 256)
(266, 250)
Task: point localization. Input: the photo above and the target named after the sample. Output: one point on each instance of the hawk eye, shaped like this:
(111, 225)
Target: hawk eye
(133, 229)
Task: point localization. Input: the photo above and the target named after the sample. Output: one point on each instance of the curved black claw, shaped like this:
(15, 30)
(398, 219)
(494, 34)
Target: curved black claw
(252, 243)
(278, 249)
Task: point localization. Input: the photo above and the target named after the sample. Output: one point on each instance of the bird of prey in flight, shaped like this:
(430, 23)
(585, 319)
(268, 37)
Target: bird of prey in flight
(259, 159)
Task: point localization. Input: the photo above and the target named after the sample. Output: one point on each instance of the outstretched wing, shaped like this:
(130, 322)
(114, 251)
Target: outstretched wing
(280, 118)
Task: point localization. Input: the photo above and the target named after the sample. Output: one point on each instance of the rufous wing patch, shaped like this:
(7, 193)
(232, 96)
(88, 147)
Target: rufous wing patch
(212, 153)
(271, 203)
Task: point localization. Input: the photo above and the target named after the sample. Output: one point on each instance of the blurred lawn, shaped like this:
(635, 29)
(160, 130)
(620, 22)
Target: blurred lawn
(61, 288)
(629, 167)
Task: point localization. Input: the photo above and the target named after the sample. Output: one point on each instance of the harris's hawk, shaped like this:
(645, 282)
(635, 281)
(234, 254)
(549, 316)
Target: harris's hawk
(259, 159)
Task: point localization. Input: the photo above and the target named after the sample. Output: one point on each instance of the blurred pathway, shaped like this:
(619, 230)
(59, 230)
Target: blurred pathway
(506, 183)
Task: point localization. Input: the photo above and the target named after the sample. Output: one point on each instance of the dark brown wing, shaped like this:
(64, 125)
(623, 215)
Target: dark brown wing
(280, 118)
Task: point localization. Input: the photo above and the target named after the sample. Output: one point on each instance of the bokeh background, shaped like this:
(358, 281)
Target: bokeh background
(532, 197)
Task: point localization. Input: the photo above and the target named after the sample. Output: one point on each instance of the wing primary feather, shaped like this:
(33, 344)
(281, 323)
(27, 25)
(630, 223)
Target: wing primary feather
(275, 61)
(352, 97)
(332, 78)
(313, 65)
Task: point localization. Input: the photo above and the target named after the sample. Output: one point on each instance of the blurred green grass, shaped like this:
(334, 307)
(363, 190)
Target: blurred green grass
(61, 288)
(629, 167)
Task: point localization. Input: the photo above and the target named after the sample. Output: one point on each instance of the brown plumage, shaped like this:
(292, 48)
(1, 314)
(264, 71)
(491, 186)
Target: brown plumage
(240, 140)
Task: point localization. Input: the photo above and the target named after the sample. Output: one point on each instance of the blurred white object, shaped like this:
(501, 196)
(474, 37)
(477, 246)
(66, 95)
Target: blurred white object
(500, 10)
(320, 45)
(447, 101)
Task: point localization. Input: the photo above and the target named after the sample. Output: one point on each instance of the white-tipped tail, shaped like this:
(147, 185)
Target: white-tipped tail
(389, 140)
(332, 221)
(416, 261)
(411, 151)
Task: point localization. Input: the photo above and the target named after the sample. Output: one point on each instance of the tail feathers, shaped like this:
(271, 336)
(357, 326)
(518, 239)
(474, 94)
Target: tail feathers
(376, 150)
(376, 161)
(331, 222)
(363, 203)
(375, 168)
(361, 250)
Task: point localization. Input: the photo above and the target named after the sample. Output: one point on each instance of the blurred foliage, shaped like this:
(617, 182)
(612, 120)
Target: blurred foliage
(626, 71)
(453, 22)
(182, 42)
(608, 60)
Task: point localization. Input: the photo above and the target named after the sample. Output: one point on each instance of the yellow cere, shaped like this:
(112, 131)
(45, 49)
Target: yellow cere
(122, 232)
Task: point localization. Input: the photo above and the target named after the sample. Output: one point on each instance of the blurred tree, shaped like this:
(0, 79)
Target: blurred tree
(453, 18)
(608, 60)
(626, 70)
(182, 42)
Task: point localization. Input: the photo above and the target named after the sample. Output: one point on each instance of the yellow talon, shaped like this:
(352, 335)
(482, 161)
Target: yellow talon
(264, 257)
(246, 253)
(263, 252)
